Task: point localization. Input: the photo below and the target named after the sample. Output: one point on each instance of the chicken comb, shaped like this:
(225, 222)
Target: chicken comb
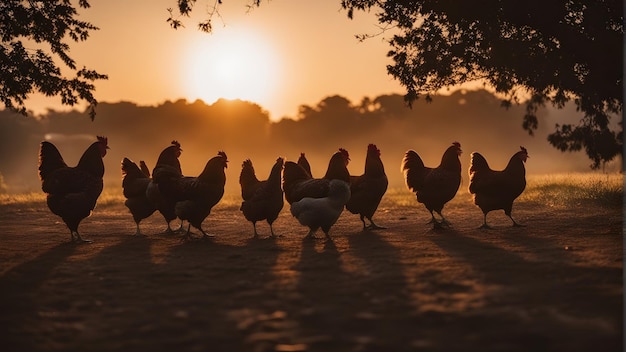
(345, 153)
(176, 144)
(523, 149)
(103, 140)
(223, 155)
(371, 146)
(456, 144)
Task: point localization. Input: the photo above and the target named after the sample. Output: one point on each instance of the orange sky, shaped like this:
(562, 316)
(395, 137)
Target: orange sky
(282, 55)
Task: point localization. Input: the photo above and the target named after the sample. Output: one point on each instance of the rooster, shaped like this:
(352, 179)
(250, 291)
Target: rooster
(302, 161)
(168, 160)
(194, 197)
(322, 212)
(262, 200)
(495, 190)
(298, 183)
(135, 182)
(368, 189)
(72, 192)
(434, 187)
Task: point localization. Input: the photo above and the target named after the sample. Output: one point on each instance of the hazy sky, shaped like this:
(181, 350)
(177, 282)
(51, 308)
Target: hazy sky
(281, 55)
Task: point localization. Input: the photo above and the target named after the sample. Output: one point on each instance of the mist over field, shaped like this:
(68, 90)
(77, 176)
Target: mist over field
(244, 130)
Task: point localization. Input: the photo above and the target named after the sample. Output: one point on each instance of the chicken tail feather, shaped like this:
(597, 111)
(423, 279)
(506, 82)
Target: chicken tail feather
(50, 159)
(478, 163)
(413, 168)
(247, 173)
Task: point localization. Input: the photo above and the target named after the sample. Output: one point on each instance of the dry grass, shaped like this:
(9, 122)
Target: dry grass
(555, 190)
(558, 190)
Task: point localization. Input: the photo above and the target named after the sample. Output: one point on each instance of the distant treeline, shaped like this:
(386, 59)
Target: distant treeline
(244, 130)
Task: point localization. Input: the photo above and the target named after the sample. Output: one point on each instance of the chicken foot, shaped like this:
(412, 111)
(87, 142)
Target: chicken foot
(78, 239)
(372, 225)
(169, 230)
(438, 224)
(311, 234)
(138, 232)
(485, 226)
(515, 223)
(272, 232)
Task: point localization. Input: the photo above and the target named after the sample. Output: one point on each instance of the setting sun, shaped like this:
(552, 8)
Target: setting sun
(231, 65)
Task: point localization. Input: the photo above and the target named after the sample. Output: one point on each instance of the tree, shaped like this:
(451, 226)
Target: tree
(32, 32)
(532, 52)
(549, 52)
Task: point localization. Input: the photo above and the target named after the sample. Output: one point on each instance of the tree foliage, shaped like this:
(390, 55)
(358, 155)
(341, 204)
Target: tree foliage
(535, 52)
(33, 34)
(543, 52)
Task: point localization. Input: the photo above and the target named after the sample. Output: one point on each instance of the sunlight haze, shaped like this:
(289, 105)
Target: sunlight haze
(281, 55)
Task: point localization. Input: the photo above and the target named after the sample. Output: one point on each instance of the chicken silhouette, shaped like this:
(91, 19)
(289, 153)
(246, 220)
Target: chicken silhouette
(434, 187)
(494, 190)
(135, 181)
(72, 192)
(194, 197)
(167, 161)
(262, 200)
(368, 189)
(322, 212)
(298, 183)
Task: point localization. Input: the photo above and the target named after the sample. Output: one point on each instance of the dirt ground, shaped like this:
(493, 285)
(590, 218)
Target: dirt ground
(554, 285)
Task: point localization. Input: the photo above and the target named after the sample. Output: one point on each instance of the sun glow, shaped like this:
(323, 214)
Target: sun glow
(231, 65)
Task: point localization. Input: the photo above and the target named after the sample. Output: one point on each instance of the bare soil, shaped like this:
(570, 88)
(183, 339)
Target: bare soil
(554, 285)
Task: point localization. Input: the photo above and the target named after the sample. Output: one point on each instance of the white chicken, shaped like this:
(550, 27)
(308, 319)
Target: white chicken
(323, 212)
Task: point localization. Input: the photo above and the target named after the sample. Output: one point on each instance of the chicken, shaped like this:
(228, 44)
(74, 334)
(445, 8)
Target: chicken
(72, 192)
(262, 200)
(304, 162)
(168, 160)
(322, 212)
(368, 189)
(298, 183)
(494, 190)
(194, 197)
(134, 184)
(434, 187)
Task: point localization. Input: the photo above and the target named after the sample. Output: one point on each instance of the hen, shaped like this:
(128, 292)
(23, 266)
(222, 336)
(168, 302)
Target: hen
(194, 197)
(72, 192)
(298, 183)
(494, 190)
(323, 212)
(168, 160)
(135, 182)
(262, 200)
(368, 189)
(434, 187)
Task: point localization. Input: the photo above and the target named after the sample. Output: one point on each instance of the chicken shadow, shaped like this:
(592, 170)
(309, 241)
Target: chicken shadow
(350, 308)
(20, 295)
(543, 293)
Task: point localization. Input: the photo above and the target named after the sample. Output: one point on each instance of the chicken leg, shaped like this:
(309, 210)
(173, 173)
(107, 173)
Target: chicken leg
(371, 226)
(515, 223)
(272, 231)
(79, 239)
(484, 225)
(138, 232)
(256, 234)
